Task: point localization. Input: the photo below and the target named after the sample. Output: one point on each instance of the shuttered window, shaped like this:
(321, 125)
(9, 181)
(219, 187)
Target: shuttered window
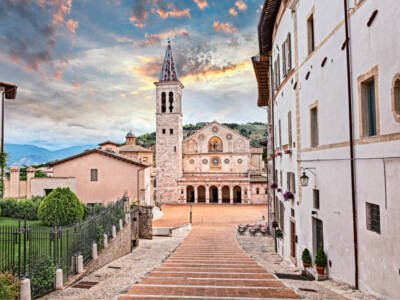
(314, 127)
(93, 175)
(284, 56)
(280, 135)
(373, 217)
(289, 52)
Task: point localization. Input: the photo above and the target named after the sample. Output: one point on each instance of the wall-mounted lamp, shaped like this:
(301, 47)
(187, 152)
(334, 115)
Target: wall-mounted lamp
(304, 178)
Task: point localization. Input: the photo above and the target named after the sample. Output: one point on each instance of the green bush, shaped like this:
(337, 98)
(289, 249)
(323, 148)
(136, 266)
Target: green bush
(8, 207)
(26, 209)
(321, 259)
(61, 207)
(20, 209)
(9, 286)
(100, 236)
(43, 274)
(306, 256)
(279, 234)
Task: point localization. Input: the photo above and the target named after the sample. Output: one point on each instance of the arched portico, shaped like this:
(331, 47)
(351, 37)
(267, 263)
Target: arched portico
(201, 194)
(213, 194)
(190, 194)
(237, 194)
(226, 194)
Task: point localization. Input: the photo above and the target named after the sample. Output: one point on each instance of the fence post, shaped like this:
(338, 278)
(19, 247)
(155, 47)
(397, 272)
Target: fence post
(94, 251)
(59, 279)
(127, 218)
(25, 292)
(121, 225)
(105, 241)
(79, 264)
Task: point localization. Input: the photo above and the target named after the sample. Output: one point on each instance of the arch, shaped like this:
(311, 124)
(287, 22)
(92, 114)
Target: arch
(213, 194)
(237, 194)
(171, 101)
(190, 194)
(226, 195)
(163, 102)
(215, 144)
(201, 194)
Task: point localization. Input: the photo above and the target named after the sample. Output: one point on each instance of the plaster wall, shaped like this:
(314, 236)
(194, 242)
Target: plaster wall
(39, 185)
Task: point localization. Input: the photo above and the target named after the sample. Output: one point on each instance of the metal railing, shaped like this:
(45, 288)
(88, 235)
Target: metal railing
(36, 252)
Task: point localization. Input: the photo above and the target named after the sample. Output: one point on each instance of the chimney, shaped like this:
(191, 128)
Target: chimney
(130, 138)
(14, 182)
(30, 174)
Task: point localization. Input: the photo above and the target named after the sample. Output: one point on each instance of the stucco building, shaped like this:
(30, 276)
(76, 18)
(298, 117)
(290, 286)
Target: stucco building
(100, 175)
(328, 71)
(214, 165)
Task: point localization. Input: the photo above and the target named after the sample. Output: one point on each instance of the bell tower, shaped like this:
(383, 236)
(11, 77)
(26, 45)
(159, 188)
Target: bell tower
(169, 131)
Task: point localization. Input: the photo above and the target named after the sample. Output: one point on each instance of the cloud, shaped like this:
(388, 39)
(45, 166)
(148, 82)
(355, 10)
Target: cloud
(140, 11)
(72, 25)
(226, 28)
(233, 11)
(241, 5)
(202, 4)
(152, 39)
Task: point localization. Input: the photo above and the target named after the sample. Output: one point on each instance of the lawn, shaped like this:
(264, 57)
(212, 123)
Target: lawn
(14, 222)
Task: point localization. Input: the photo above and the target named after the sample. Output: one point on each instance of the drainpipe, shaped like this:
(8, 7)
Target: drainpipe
(273, 143)
(138, 184)
(353, 185)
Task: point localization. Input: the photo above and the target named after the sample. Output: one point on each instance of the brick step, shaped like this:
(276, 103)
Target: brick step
(213, 282)
(213, 270)
(212, 275)
(180, 265)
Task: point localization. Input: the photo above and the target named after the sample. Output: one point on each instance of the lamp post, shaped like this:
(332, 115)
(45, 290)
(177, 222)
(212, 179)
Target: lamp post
(8, 91)
(304, 178)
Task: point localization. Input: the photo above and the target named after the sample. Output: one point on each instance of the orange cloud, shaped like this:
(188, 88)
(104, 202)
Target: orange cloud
(63, 8)
(202, 4)
(72, 25)
(241, 5)
(233, 11)
(216, 72)
(136, 22)
(227, 28)
(173, 12)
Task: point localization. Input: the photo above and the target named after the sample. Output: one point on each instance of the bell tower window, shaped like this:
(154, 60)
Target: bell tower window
(163, 102)
(171, 101)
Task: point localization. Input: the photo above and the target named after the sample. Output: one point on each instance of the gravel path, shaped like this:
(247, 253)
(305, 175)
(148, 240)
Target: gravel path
(120, 275)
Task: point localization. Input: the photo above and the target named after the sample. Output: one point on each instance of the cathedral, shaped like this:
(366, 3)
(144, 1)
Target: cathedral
(214, 165)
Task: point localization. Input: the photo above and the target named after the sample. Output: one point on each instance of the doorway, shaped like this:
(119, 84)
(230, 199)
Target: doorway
(292, 239)
(213, 194)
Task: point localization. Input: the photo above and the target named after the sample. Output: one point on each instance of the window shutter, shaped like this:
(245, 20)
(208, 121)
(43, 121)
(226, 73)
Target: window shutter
(290, 128)
(288, 181)
(289, 52)
(284, 59)
(294, 182)
(279, 71)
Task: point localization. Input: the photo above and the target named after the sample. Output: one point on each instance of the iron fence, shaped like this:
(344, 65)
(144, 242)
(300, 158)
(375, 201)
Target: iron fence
(36, 252)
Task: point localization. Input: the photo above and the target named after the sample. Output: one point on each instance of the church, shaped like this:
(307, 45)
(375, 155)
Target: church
(214, 165)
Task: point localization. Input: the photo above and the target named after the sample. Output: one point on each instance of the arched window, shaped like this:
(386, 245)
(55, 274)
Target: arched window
(215, 144)
(257, 191)
(171, 101)
(163, 102)
(396, 97)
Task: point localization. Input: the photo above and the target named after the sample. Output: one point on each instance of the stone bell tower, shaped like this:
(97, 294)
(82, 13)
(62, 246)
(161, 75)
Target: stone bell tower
(169, 131)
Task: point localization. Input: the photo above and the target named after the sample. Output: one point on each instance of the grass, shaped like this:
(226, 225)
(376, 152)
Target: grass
(14, 222)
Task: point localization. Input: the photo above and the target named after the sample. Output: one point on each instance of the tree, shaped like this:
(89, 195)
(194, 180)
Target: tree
(61, 207)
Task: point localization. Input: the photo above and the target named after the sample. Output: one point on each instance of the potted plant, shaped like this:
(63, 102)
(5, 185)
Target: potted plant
(321, 261)
(279, 190)
(274, 185)
(279, 234)
(288, 151)
(275, 224)
(306, 258)
(288, 195)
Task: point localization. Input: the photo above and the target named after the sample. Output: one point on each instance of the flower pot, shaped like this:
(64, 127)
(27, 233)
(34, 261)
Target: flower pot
(305, 265)
(320, 270)
(279, 190)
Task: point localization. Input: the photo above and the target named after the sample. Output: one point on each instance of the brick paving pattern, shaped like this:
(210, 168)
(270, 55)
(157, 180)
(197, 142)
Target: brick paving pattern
(210, 264)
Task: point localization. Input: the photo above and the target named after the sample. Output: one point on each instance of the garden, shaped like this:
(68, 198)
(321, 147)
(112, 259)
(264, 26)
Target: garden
(41, 234)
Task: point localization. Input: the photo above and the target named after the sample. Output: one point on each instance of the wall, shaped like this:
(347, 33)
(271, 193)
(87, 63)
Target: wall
(38, 185)
(115, 177)
(261, 197)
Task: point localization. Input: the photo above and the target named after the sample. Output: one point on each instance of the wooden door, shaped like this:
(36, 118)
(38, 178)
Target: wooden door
(292, 239)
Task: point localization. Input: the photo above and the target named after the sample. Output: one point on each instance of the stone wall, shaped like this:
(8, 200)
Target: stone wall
(146, 222)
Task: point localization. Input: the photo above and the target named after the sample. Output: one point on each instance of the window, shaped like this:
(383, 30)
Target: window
(280, 135)
(215, 144)
(282, 215)
(266, 191)
(396, 98)
(163, 131)
(93, 175)
(171, 131)
(310, 34)
(373, 217)
(286, 56)
(171, 101)
(316, 198)
(290, 129)
(174, 148)
(290, 182)
(47, 191)
(281, 181)
(163, 102)
(278, 65)
(368, 108)
(257, 191)
(314, 127)
(284, 69)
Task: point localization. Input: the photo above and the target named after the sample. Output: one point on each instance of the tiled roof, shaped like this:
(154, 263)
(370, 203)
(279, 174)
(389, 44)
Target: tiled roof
(133, 148)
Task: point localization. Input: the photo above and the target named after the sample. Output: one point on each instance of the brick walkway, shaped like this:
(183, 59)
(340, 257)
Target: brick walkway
(210, 264)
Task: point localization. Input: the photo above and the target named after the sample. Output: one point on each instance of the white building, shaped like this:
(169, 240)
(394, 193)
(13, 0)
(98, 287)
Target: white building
(356, 224)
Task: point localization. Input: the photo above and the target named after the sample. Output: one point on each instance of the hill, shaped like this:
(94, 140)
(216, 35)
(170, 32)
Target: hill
(255, 131)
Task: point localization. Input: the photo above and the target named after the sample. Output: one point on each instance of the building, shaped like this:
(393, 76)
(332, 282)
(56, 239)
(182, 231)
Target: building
(100, 175)
(214, 165)
(337, 75)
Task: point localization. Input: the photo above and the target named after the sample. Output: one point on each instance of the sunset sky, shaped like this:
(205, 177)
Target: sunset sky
(85, 68)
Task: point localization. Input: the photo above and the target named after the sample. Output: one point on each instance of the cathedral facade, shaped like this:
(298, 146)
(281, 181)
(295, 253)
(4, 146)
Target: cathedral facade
(214, 165)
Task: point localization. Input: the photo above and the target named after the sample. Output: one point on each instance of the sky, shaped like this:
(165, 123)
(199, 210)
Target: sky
(85, 68)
